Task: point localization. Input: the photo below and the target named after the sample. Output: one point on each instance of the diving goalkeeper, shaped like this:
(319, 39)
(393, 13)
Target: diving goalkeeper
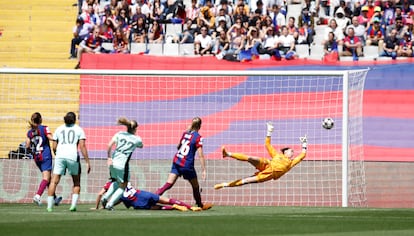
(268, 169)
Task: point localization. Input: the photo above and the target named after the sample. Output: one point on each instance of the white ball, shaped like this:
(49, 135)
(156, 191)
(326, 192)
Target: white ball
(328, 123)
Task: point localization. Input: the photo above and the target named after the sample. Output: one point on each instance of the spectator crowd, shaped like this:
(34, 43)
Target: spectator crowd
(246, 29)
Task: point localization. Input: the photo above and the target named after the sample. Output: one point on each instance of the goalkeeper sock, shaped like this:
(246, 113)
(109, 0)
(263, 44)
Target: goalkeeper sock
(239, 156)
(164, 188)
(174, 201)
(235, 183)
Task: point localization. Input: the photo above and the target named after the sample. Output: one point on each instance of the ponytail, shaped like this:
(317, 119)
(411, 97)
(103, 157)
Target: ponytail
(196, 124)
(130, 124)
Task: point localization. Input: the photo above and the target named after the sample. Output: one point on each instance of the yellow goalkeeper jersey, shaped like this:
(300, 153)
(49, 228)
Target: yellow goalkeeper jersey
(279, 161)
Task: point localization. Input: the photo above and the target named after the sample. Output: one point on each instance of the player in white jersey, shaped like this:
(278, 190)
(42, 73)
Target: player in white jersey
(66, 140)
(125, 143)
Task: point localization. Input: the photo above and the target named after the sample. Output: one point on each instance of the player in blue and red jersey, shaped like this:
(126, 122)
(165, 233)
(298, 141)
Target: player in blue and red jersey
(140, 199)
(38, 142)
(190, 143)
(143, 200)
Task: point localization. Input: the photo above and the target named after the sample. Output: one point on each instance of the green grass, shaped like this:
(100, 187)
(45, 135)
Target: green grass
(27, 219)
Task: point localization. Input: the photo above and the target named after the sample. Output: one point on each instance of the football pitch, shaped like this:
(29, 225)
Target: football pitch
(28, 219)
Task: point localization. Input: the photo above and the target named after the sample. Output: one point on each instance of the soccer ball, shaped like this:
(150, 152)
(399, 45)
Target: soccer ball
(328, 123)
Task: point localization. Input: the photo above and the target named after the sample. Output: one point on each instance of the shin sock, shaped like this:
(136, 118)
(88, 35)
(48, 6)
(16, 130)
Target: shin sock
(42, 187)
(174, 201)
(164, 188)
(239, 156)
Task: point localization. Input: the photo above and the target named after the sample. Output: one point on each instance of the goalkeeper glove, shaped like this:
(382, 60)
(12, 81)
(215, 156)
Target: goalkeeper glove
(269, 128)
(304, 141)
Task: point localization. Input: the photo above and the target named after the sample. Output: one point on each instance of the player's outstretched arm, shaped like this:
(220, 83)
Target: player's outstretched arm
(270, 149)
(270, 128)
(302, 155)
(304, 141)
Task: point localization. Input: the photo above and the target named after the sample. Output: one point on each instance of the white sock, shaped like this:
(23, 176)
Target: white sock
(111, 189)
(115, 197)
(75, 198)
(50, 201)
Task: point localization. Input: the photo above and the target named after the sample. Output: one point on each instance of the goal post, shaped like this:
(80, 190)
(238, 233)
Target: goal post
(234, 107)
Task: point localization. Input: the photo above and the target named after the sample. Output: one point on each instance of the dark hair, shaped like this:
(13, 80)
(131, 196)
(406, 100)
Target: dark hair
(196, 123)
(79, 20)
(70, 118)
(35, 120)
(283, 150)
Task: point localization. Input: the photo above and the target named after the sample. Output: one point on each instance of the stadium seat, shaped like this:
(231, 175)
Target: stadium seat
(155, 48)
(346, 58)
(264, 57)
(316, 52)
(318, 38)
(171, 49)
(371, 52)
(302, 50)
(186, 49)
(137, 48)
(340, 48)
(108, 46)
(173, 29)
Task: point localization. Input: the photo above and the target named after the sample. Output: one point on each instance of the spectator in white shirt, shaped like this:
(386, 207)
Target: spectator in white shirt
(202, 42)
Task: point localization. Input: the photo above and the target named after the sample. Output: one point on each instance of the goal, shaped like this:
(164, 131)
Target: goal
(234, 107)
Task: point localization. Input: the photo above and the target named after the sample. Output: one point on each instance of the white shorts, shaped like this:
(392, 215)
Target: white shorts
(120, 175)
(63, 164)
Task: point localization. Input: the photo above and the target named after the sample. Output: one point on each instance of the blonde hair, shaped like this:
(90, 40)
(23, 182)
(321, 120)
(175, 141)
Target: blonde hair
(130, 124)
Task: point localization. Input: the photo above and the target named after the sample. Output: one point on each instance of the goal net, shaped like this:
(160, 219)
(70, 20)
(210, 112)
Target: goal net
(234, 107)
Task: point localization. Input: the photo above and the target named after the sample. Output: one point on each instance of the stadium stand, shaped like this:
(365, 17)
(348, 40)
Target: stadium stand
(36, 33)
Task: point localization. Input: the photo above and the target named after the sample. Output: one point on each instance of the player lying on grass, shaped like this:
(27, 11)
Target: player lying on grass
(143, 200)
(268, 169)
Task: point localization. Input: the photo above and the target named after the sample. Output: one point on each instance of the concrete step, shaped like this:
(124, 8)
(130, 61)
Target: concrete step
(60, 64)
(36, 46)
(65, 15)
(36, 5)
(37, 25)
(41, 36)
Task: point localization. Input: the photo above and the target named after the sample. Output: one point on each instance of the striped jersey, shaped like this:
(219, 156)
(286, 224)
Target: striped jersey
(39, 142)
(189, 144)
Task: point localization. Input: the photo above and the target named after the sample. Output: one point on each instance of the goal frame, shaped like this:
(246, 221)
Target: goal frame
(220, 73)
